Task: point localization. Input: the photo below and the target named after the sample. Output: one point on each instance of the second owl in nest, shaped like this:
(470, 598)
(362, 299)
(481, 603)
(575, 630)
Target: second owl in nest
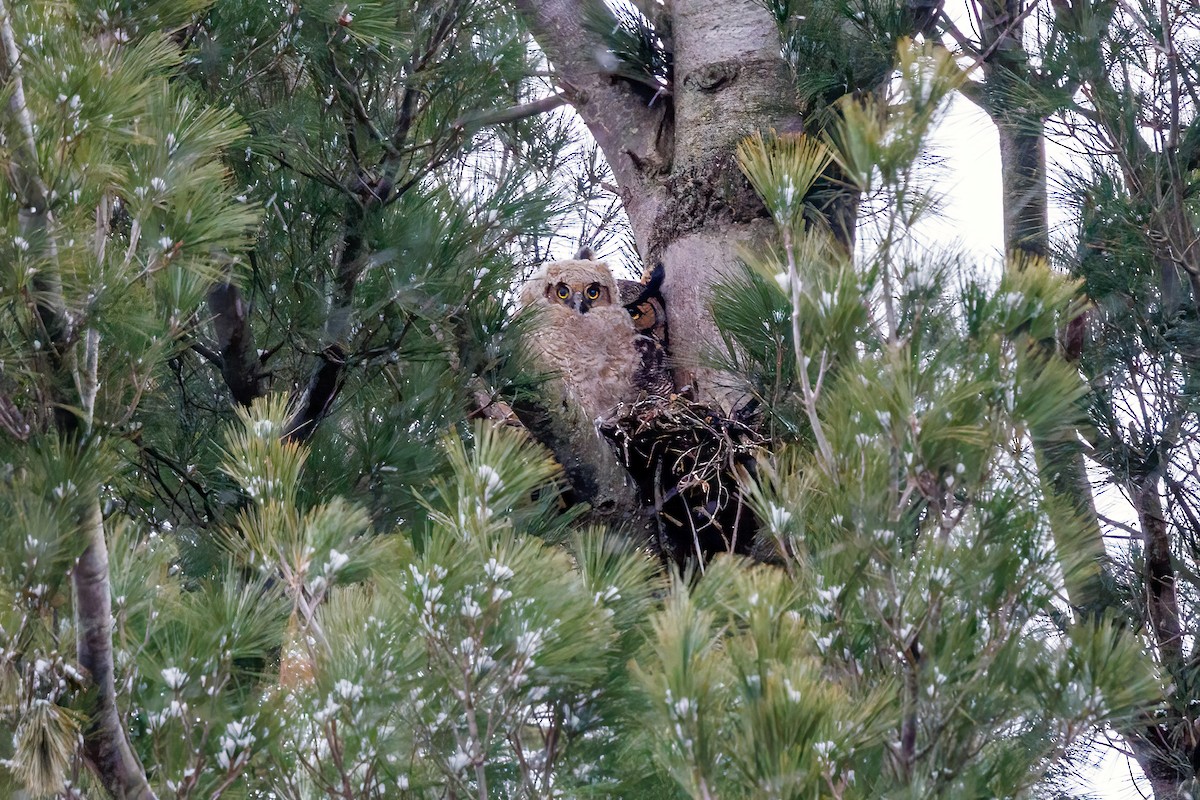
(648, 310)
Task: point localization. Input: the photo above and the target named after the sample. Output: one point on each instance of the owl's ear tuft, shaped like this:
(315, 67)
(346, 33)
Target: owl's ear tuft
(652, 284)
(654, 279)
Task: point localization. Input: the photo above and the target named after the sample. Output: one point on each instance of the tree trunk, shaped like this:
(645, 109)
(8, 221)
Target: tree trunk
(730, 82)
(1023, 163)
(1158, 576)
(689, 205)
(1060, 460)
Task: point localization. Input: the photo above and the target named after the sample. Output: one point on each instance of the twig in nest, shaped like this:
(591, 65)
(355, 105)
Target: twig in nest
(684, 457)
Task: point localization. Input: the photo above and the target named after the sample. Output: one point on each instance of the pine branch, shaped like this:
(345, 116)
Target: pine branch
(105, 745)
(371, 191)
(1170, 235)
(207, 353)
(349, 93)
(807, 393)
(482, 119)
(185, 478)
(317, 399)
(963, 41)
(326, 379)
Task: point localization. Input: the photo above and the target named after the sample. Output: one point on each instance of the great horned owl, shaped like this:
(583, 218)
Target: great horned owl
(583, 333)
(646, 308)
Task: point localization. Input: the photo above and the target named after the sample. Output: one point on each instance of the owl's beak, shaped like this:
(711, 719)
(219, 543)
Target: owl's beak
(579, 303)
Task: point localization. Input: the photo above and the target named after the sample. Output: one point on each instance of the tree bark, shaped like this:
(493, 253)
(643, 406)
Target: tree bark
(106, 745)
(730, 82)
(1023, 163)
(593, 472)
(241, 366)
(1158, 576)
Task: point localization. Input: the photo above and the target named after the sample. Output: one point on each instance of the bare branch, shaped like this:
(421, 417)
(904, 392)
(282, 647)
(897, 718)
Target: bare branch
(207, 353)
(501, 116)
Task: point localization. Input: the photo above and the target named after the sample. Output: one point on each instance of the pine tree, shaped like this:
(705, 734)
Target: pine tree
(139, 269)
(257, 260)
(116, 206)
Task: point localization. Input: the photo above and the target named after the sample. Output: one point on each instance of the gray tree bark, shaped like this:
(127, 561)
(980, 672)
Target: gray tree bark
(106, 746)
(730, 82)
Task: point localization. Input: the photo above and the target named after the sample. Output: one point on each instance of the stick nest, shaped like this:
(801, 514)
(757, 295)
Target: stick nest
(685, 458)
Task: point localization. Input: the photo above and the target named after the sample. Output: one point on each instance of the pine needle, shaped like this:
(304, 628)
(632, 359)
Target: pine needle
(46, 741)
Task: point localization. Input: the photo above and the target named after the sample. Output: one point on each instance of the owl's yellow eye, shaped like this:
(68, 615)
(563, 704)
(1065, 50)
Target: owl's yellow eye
(563, 291)
(643, 316)
(592, 292)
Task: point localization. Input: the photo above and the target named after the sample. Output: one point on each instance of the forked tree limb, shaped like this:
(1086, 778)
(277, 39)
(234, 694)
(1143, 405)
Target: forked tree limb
(623, 125)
